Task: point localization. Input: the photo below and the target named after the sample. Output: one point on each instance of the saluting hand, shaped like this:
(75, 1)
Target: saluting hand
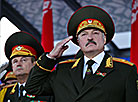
(60, 48)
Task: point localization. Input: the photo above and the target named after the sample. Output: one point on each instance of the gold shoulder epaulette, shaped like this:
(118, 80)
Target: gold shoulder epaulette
(68, 61)
(109, 62)
(123, 61)
(13, 89)
(2, 94)
(10, 85)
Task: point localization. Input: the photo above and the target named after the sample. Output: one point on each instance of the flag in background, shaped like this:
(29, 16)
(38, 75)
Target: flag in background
(47, 27)
(134, 34)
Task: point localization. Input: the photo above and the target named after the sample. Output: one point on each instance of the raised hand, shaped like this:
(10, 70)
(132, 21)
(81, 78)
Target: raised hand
(60, 48)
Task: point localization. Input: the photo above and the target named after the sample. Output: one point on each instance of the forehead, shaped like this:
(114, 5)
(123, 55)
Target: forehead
(90, 30)
(21, 57)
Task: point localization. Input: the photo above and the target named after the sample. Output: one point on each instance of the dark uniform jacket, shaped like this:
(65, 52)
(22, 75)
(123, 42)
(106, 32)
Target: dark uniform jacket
(116, 80)
(10, 94)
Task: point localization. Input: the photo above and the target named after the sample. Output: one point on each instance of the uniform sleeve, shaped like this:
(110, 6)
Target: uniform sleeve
(132, 87)
(38, 82)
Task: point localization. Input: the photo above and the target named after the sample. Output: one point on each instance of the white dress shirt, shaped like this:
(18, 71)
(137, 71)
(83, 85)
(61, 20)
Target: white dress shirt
(98, 59)
(24, 92)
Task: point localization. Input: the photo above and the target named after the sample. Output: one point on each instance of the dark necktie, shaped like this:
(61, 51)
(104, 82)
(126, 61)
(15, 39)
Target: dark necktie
(21, 91)
(89, 71)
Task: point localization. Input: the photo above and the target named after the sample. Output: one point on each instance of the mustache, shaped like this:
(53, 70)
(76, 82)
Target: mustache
(19, 67)
(90, 41)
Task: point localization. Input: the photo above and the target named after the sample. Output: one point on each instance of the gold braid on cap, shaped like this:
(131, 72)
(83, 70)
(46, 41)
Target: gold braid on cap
(23, 50)
(90, 23)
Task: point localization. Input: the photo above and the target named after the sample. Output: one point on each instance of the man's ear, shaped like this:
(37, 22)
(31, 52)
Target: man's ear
(34, 62)
(104, 39)
(77, 39)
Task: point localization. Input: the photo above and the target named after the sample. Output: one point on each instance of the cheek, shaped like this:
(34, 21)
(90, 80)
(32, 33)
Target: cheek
(81, 45)
(81, 42)
(13, 68)
(29, 66)
(101, 39)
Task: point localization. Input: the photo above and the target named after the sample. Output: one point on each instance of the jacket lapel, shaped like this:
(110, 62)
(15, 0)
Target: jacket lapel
(14, 93)
(101, 73)
(76, 73)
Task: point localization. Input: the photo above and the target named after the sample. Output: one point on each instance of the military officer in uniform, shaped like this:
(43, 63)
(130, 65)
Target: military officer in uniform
(10, 78)
(94, 76)
(22, 50)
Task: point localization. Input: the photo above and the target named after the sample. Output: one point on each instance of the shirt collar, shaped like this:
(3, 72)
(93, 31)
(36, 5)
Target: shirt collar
(98, 59)
(21, 84)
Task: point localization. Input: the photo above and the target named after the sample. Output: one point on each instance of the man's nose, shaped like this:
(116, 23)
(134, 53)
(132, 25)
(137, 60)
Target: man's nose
(19, 63)
(90, 36)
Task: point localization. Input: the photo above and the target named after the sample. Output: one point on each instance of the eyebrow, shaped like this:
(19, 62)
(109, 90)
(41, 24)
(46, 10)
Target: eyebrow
(92, 31)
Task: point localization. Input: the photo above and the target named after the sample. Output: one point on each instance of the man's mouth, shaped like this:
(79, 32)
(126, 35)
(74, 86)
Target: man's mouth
(19, 69)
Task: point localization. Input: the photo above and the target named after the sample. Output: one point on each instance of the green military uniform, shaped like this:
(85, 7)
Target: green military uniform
(115, 80)
(21, 44)
(10, 94)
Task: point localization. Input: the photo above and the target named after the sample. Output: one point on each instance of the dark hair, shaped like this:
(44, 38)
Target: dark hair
(33, 59)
